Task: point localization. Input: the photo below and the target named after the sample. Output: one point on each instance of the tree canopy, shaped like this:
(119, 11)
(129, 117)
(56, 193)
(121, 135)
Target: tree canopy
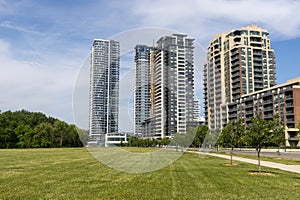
(24, 129)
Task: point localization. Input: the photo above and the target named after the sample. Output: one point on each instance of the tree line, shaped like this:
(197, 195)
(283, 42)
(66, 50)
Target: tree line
(258, 134)
(24, 129)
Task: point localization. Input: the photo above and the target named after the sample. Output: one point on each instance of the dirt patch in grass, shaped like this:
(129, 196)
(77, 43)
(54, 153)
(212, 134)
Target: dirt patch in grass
(262, 173)
(231, 165)
(277, 158)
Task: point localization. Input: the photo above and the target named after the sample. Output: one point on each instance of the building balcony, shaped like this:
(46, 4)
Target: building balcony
(268, 116)
(235, 92)
(256, 64)
(288, 97)
(236, 80)
(234, 52)
(258, 75)
(255, 44)
(258, 69)
(255, 39)
(235, 69)
(290, 119)
(232, 109)
(289, 105)
(237, 63)
(257, 53)
(269, 101)
(258, 59)
(249, 106)
(258, 86)
(289, 89)
(234, 58)
(268, 109)
(235, 75)
(250, 112)
(235, 86)
(288, 113)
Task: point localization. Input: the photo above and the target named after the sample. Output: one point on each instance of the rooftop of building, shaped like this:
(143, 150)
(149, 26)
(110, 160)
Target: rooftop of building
(252, 27)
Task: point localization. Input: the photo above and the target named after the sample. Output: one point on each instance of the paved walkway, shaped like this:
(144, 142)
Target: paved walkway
(290, 168)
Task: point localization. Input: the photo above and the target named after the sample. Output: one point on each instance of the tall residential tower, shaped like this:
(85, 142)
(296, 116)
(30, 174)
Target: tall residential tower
(104, 89)
(173, 85)
(238, 62)
(142, 94)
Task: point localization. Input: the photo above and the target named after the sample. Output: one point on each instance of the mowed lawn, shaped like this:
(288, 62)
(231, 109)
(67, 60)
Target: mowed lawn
(75, 174)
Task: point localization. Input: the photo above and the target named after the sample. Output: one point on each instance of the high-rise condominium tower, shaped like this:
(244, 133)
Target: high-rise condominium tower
(173, 85)
(238, 62)
(104, 89)
(142, 96)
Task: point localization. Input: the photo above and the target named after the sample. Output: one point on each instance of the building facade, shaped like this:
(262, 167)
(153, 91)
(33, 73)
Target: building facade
(104, 89)
(142, 90)
(164, 88)
(283, 100)
(173, 85)
(238, 62)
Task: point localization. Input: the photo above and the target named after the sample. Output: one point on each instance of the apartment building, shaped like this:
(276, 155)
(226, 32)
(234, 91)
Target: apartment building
(142, 90)
(104, 90)
(283, 100)
(238, 62)
(173, 85)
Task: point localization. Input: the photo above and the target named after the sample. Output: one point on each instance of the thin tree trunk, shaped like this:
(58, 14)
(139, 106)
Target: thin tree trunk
(231, 155)
(61, 141)
(258, 156)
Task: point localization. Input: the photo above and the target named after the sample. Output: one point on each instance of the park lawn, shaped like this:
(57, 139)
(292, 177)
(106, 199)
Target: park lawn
(277, 159)
(74, 174)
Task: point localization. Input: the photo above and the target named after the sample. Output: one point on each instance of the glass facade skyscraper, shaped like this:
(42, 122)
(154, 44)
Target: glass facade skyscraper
(142, 94)
(104, 89)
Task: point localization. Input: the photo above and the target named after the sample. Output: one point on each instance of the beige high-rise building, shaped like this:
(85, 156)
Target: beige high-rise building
(238, 62)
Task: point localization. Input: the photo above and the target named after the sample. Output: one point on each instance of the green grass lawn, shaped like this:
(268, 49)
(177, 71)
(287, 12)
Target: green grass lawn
(75, 174)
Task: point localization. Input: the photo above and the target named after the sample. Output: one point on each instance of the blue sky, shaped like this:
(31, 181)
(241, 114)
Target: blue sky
(43, 43)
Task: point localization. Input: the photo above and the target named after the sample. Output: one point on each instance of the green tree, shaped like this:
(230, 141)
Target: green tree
(201, 132)
(43, 137)
(277, 130)
(60, 131)
(24, 134)
(258, 135)
(239, 128)
(228, 138)
(164, 141)
(211, 138)
(84, 136)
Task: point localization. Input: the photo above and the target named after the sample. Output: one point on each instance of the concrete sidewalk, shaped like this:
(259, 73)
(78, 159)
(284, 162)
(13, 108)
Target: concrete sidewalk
(290, 168)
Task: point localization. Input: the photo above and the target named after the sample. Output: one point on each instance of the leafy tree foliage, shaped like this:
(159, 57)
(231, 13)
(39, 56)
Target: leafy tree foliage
(231, 136)
(24, 129)
(264, 133)
(193, 138)
(140, 142)
(277, 132)
(201, 133)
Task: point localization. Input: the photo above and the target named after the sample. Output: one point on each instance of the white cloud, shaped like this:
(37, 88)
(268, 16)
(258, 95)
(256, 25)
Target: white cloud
(35, 86)
(205, 18)
(9, 25)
